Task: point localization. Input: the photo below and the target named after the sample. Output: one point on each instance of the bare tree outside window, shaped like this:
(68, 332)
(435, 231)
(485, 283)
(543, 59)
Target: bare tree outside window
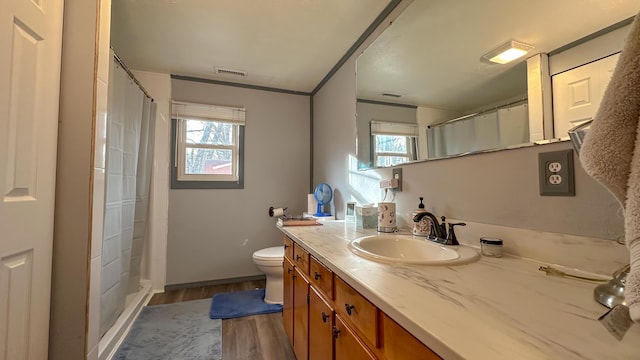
(216, 155)
(391, 149)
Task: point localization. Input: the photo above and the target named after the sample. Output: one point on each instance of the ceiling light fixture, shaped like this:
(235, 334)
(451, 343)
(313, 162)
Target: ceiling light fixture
(507, 52)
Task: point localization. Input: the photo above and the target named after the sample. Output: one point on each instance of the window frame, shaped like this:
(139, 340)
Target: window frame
(179, 144)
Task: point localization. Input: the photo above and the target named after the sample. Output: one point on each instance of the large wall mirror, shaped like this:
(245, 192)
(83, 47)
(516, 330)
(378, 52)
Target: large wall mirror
(424, 90)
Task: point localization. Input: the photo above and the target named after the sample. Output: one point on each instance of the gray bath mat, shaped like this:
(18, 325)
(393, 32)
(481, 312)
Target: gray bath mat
(174, 331)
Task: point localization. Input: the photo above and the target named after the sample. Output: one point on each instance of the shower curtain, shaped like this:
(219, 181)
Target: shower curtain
(130, 119)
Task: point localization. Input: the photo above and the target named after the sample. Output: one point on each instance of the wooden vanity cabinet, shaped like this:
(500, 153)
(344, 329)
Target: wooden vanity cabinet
(326, 319)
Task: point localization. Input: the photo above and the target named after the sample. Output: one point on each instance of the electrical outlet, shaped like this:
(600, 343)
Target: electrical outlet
(555, 167)
(555, 171)
(397, 174)
(555, 179)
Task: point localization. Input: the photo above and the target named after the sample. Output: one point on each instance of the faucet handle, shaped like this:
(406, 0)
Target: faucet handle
(451, 237)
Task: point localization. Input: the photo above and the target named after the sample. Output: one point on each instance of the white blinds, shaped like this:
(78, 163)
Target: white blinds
(389, 128)
(185, 110)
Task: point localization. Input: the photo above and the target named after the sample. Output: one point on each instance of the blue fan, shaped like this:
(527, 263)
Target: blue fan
(323, 195)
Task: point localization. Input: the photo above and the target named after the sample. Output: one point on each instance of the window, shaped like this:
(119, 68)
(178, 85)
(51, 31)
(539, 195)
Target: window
(393, 143)
(208, 143)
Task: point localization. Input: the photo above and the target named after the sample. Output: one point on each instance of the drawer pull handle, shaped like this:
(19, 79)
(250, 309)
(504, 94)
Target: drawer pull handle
(289, 270)
(325, 317)
(293, 276)
(298, 257)
(316, 275)
(349, 308)
(286, 246)
(335, 332)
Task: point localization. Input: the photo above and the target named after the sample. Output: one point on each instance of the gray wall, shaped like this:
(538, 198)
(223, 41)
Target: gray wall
(494, 188)
(213, 233)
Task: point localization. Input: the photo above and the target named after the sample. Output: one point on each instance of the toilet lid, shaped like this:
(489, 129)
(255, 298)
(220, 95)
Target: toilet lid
(272, 253)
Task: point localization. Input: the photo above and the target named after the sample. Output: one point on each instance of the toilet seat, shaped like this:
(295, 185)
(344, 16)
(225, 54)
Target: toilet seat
(272, 254)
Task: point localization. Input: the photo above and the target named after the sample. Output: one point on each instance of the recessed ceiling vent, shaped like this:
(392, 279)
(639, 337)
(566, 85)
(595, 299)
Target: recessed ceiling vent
(390, 94)
(230, 72)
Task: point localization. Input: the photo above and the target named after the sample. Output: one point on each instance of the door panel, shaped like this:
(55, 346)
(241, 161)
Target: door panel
(287, 306)
(300, 316)
(577, 93)
(320, 327)
(30, 34)
(347, 344)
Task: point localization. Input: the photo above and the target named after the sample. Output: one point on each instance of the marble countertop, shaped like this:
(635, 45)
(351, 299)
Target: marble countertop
(494, 308)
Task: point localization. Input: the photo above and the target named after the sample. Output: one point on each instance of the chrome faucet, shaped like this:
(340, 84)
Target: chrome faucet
(438, 232)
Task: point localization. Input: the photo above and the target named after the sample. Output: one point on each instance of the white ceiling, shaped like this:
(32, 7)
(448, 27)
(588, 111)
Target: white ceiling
(286, 44)
(431, 53)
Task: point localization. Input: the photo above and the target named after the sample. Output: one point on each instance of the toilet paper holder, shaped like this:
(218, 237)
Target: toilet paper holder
(276, 211)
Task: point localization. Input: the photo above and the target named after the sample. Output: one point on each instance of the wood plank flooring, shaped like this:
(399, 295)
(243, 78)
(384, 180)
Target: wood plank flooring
(259, 337)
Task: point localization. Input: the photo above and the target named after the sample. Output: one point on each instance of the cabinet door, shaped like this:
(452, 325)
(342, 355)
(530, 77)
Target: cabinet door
(399, 344)
(300, 315)
(320, 327)
(287, 306)
(347, 344)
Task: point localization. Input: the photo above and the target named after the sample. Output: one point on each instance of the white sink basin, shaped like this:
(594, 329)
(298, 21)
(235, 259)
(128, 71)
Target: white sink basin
(408, 249)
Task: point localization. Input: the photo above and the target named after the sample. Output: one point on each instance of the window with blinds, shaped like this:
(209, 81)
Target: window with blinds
(393, 143)
(208, 146)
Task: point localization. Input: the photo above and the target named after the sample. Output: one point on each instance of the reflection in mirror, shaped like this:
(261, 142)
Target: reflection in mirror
(502, 127)
(393, 143)
(426, 69)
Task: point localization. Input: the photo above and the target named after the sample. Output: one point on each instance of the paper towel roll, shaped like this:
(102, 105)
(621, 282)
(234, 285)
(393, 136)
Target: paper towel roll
(386, 217)
(312, 204)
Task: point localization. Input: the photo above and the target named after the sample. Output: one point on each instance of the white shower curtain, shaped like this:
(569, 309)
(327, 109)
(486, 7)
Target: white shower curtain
(128, 172)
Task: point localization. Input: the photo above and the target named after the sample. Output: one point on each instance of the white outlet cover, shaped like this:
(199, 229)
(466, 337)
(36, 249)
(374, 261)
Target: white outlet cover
(555, 179)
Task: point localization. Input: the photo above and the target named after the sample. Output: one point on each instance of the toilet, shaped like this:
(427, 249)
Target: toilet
(269, 261)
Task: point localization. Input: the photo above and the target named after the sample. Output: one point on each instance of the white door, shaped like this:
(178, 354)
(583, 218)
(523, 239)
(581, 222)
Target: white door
(577, 93)
(30, 43)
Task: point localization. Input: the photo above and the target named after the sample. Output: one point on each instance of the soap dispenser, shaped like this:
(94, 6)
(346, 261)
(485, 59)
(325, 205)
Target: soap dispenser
(422, 227)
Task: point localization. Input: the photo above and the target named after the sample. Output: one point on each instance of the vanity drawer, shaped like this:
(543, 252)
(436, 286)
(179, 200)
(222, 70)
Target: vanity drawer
(321, 278)
(288, 248)
(301, 259)
(357, 310)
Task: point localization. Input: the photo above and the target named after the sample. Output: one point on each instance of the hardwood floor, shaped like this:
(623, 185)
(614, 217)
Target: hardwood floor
(259, 337)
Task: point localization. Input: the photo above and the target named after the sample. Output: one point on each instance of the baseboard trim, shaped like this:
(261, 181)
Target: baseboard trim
(212, 282)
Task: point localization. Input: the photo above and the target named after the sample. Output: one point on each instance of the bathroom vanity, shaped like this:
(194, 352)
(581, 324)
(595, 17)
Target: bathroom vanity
(338, 305)
(325, 318)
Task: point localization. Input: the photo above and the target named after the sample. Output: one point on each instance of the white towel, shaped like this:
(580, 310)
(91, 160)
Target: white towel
(611, 153)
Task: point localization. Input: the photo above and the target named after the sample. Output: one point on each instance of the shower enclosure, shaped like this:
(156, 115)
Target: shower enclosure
(130, 124)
